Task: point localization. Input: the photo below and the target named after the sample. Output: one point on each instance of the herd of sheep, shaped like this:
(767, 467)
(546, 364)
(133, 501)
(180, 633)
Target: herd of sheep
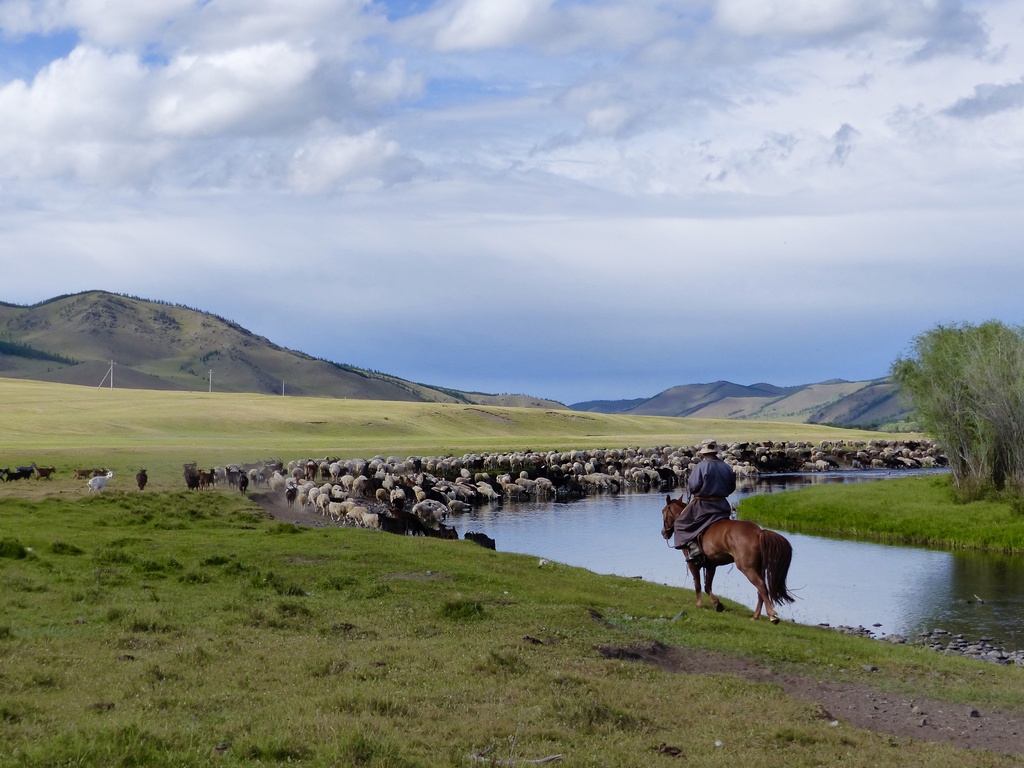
(425, 491)
(417, 494)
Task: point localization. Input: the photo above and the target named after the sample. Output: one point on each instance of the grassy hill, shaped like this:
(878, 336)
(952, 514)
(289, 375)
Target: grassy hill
(73, 340)
(158, 346)
(872, 404)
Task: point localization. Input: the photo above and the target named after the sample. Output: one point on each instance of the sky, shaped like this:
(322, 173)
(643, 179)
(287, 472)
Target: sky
(571, 199)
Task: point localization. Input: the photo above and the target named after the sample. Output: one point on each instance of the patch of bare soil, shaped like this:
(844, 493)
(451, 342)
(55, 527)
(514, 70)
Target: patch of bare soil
(852, 703)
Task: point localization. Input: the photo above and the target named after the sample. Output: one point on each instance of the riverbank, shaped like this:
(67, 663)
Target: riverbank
(919, 511)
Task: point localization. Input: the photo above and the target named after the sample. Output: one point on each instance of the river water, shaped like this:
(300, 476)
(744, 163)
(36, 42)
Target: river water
(902, 590)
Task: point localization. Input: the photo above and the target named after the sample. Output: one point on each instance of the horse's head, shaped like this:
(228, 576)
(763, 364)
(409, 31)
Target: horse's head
(669, 513)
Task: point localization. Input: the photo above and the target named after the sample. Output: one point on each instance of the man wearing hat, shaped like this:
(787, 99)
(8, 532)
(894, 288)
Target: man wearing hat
(710, 485)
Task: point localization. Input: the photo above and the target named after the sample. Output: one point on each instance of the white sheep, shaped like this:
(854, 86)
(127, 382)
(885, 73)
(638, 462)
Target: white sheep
(97, 484)
(431, 511)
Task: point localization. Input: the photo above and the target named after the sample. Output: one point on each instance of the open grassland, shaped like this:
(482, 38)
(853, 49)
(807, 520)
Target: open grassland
(188, 629)
(166, 628)
(124, 429)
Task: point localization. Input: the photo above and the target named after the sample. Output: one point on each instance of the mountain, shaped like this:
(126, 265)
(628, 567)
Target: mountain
(153, 345)
(874, 404)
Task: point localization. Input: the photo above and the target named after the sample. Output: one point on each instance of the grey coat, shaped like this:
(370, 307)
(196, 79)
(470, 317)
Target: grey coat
(710, 484)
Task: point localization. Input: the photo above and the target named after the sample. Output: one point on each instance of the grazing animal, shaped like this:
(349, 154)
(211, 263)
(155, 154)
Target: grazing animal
(761, 555)
(98, 483)
(441, 532)
(191, 473)
(243, 483)
(82, 474)
(482, 539)
(205, 479)
(290, 493)
(43, 473)
(19, 473)
(141, 478)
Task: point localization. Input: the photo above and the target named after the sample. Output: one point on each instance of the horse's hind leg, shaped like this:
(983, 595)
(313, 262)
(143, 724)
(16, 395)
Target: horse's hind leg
(762, 595)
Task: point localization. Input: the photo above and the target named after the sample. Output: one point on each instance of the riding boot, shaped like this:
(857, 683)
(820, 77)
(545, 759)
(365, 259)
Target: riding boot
(693, 552)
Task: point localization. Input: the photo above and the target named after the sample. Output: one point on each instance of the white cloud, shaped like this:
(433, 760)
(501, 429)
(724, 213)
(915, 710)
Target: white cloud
(479, 24)
(242, 89)
(791, 18)
(587, 169)
(326, 160)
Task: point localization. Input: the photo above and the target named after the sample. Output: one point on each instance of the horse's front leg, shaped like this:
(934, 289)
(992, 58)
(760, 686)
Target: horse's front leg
(695, 572)
(709, 576)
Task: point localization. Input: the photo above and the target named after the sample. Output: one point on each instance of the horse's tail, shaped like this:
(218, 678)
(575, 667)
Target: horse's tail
(776, 556)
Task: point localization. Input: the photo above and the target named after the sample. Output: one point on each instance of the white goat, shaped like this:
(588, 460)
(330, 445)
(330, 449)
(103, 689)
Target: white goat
(96, 484)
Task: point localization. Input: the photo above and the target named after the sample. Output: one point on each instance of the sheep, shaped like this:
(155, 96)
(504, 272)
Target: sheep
(431, 511)
(480, 538)
(336, 510)
(277, 482)
(97, 484)
(323, 502)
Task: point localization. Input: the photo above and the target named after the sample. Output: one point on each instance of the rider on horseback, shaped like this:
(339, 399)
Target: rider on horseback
(710, 484)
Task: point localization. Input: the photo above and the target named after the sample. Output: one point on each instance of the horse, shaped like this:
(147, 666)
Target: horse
(762, 556)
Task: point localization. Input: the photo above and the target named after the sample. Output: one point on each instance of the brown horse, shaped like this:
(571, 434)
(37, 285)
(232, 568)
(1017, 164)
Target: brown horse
(762, 556)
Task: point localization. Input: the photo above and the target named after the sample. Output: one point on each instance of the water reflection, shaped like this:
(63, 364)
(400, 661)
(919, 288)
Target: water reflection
(905, 590)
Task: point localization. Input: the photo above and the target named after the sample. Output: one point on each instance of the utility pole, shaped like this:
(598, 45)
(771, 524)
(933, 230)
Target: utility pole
(110, 373)
(211, 380)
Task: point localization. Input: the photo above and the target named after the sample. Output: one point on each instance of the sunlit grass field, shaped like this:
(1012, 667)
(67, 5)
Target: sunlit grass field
(124, 429)
(167, 628)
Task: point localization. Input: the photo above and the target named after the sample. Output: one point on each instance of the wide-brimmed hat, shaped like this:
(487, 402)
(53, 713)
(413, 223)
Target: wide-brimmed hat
(708, 447)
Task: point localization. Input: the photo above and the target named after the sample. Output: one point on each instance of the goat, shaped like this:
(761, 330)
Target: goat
(205, 479)
(83, 474)
(98, 483)
(20, 473)
(43, 473)
(243, 483)
(141, 478)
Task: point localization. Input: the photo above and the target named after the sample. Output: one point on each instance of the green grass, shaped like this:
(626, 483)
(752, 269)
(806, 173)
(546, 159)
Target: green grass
(168, 629)
(88, 422)
(921, 511)
(149, 630)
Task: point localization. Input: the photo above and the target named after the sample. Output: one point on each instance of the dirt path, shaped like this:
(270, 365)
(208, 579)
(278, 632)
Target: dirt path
(858, 705)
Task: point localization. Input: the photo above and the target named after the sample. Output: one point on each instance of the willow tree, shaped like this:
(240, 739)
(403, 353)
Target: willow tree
(966, 383)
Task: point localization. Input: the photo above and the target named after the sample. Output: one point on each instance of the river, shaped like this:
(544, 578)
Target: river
(887, 589)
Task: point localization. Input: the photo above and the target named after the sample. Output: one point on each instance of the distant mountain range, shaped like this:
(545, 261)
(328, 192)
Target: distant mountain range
(154, 345)
(875, 404)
